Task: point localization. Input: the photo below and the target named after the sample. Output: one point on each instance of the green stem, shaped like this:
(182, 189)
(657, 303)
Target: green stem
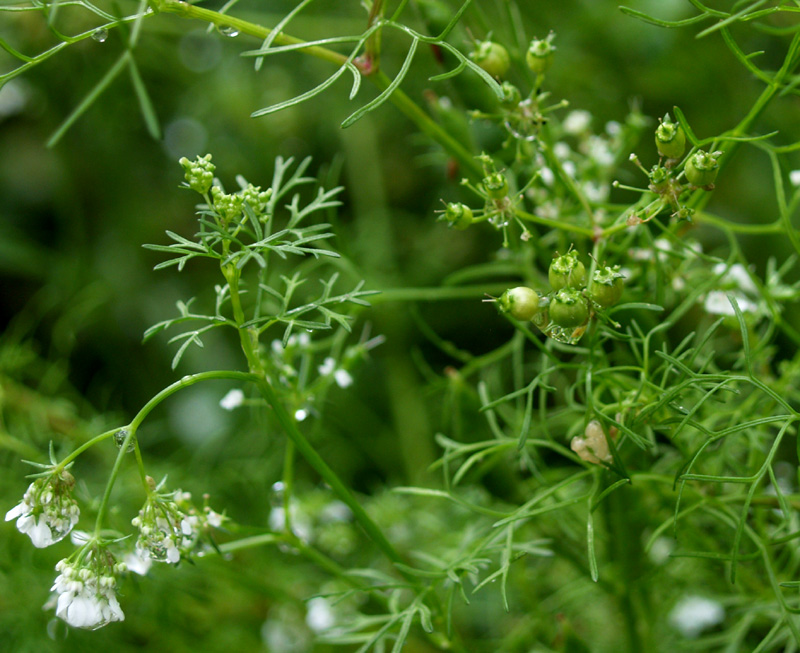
(243, 27)
(311, 456)
(185, 382)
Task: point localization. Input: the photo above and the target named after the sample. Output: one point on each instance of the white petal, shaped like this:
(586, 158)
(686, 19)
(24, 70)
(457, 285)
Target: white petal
(173, 555)
(16, 511)
(233, 399)
(40, 534)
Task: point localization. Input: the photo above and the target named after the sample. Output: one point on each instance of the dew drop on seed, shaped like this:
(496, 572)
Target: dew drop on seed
(100, 35)
(227, 30)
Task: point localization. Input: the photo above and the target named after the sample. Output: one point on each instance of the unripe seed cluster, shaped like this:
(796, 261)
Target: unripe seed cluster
(571, 303)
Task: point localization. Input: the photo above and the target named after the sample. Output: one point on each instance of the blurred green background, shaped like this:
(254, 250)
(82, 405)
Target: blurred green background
(78, 290)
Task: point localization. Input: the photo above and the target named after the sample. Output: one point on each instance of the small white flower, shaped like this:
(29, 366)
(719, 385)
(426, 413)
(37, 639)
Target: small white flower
(716, 303)
(737, 275)
(547, 176)
(47, 512)
(319, 615)
(327, 367)
(342, 378)
(577, 122)
(570, 169)
(300, 414)
(561, 150)
(595, 192)
(599, 151)
(694, 614)
(138, 563)
(233, 399)
(89, 602)
(613, 128)
(794, 177)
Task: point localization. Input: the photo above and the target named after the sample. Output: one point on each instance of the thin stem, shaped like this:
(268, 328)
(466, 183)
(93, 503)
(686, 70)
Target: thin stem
(243, 27)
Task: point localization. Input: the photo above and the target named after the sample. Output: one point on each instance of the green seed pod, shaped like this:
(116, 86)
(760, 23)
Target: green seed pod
(492, 57)
(458, 215)
(659, 178)
(567, 272)
(670, 139)
(702, 167)
(568, 308)
(606, 287)
(521, 302)
(511, 95)
(495, 185)
(540, 54)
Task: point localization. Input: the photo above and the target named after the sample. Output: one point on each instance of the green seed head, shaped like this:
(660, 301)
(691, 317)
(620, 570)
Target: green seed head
(521, 303)
(702, 168)
(568, 308)
(670, 139)
(496, 185)
(567, 272)
(492, 57)
(539, 56)
(458, 215)
(606, 287)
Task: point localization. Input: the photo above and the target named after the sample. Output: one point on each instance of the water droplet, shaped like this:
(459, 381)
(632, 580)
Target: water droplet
(565, 335)
(119, 440)
(100, 35)
(276, 498)
(228, 30)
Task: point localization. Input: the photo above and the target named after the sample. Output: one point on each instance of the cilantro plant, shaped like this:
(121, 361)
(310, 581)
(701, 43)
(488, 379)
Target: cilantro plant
(593, 451)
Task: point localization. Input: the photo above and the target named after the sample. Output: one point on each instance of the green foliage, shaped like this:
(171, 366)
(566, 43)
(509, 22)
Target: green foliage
(606, 464)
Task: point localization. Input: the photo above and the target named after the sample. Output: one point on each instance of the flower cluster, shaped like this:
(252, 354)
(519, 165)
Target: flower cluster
(86, 588)
(47, 512)
(170, 526)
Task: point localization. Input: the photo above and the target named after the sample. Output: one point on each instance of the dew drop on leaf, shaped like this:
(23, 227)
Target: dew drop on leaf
(100, 35)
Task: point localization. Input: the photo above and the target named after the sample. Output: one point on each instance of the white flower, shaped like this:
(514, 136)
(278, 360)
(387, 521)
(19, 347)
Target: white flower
(340, 375)
(547, 176)
(569, 169)
(794, 177)
(319, 615)
(599, 151)
(694, 614)
(577, 122)
(300, 414)
(327, 367)
(86, 593)
(561, 150)
(717, 303)
(613, 128)
(47, 512)
(233, 399)
(342, 378)
(137, 563)
(736, 275)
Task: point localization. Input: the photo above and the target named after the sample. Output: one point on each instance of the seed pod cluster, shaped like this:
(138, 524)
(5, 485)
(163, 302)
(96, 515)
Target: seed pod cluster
(564, 313)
